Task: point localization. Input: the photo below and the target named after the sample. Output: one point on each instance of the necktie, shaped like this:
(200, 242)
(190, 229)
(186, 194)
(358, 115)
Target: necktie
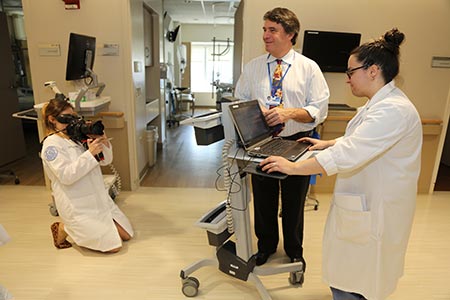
(277, 94)
(277, 88)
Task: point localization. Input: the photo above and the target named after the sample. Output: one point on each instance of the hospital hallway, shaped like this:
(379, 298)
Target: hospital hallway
(183, 163)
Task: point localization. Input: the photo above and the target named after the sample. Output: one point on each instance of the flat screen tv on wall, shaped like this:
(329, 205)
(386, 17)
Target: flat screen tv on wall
(330, 50)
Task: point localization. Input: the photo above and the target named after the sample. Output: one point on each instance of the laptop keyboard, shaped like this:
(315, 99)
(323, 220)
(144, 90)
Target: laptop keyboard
(275, 147)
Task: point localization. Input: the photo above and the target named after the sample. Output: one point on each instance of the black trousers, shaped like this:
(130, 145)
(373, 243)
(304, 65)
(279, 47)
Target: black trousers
(266, 192)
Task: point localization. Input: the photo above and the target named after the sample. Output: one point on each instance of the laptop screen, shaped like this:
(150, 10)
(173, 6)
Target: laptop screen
(249, 122)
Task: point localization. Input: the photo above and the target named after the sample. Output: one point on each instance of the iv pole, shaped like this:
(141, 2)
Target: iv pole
(219, 54)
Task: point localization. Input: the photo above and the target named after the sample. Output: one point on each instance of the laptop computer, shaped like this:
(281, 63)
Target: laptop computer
(256, 135)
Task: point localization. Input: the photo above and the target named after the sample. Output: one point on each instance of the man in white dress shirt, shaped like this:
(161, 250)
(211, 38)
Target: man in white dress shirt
(302, 105)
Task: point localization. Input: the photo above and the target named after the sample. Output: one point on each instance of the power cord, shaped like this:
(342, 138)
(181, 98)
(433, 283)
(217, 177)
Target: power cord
(229, 179)
(117, 185)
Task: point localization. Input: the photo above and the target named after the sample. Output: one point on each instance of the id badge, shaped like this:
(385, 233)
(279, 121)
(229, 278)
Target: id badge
(273, 101)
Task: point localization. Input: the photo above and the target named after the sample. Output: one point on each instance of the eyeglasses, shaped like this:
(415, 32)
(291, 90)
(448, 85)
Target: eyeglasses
(350, 72)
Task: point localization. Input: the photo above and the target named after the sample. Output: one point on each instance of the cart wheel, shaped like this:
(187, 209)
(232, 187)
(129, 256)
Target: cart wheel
(195, 280)
(53, 210)
(190, 286)
(296, 278)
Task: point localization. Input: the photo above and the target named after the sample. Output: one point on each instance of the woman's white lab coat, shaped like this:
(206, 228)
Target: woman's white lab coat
(370, 219)
(81, 198)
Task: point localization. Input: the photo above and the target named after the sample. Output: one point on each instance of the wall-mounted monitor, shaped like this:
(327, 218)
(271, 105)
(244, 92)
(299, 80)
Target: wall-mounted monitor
(330, 50)
(80, 64)
(80, 58)
(172, 35)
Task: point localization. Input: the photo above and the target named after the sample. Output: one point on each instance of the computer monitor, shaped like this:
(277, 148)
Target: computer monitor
(330, 50)
(80, 63)
(80, 58)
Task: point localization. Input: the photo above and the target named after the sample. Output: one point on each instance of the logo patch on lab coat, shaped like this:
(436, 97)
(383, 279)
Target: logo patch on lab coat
(51, 153)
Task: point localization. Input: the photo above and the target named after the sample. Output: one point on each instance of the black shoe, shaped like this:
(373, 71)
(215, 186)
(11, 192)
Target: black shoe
(262, 257)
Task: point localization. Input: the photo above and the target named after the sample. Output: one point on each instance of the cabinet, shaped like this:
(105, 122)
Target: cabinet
(11, 131)
(152, 110)
(148, 38)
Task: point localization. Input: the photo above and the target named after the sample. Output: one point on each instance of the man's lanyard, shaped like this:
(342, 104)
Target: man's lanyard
(271, 77)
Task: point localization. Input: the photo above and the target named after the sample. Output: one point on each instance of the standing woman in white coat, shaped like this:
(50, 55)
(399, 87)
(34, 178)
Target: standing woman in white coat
(377, 163)
(89, 215)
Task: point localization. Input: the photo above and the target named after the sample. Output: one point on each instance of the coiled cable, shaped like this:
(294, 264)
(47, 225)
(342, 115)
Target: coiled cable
(117, 186)
(227, 181)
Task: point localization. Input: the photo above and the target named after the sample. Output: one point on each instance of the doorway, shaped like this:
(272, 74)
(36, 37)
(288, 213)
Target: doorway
(443, 175)
(21, 134)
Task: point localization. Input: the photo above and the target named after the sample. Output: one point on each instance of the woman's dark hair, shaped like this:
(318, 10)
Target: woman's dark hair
(383, 52)
(287, 19)
(53, 108)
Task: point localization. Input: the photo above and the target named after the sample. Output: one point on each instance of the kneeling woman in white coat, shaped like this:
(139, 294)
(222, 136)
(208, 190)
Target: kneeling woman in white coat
(89, 215)
(377, 163)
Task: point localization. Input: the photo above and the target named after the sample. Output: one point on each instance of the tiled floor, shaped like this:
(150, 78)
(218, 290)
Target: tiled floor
(167, 241)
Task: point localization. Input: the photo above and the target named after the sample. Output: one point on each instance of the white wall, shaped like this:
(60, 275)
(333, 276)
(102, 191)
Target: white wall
(110, 21)
(426, 25)
(48, 22)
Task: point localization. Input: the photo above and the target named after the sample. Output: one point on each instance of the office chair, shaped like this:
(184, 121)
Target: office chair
(9, 174)
(173, 119)
(183, 96)
(310, 200)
